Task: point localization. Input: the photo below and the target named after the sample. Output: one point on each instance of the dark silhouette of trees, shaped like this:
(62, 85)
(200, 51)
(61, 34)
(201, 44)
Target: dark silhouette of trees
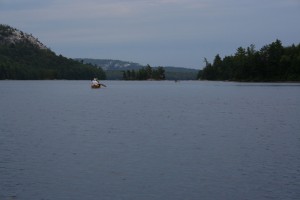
(24, 60)
(145, 73)
(272, 62)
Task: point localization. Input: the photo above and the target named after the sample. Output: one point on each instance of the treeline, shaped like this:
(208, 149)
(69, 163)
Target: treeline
(272, 62)
(24, 60)
(146, 73)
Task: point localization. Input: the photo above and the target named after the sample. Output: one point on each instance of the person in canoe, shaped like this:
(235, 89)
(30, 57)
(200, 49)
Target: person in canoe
(96, 83)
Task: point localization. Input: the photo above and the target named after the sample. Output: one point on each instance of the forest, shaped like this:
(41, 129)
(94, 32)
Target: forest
(273, 62)
(146, 73)
(24, 60)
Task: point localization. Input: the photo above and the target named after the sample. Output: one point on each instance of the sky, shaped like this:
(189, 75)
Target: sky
(177, 33)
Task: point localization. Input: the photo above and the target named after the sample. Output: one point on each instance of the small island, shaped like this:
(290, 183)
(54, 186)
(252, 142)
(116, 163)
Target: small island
(147, 73)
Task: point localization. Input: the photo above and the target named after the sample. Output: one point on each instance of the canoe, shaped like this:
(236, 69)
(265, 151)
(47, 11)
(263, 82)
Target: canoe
(96, 86)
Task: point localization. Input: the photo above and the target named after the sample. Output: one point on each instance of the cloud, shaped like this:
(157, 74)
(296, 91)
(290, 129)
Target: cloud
(33, 10)
(111, 20)
(70, 10)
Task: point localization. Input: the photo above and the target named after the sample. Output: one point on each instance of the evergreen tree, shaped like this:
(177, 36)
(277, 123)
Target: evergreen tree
(272, 63)
(24, 59)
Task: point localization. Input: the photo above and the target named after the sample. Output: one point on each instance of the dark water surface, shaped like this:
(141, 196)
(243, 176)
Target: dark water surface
(149, 141)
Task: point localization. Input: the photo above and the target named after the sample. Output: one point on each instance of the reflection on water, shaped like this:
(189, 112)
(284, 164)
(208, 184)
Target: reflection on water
(149, 140)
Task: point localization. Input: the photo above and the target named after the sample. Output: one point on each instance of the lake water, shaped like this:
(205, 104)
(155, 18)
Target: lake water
(150, 140)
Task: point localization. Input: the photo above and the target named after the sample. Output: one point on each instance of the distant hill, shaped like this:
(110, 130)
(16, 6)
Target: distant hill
(109, 64)
(114, 69)
(24, 57)
(181, 73)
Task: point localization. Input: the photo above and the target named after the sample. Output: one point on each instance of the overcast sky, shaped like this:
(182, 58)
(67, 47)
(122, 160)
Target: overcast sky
(156, 32)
